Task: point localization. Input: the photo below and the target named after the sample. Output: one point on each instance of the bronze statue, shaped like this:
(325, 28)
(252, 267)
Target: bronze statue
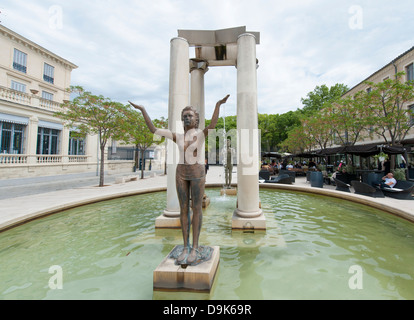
(190, 173)
(229, 164)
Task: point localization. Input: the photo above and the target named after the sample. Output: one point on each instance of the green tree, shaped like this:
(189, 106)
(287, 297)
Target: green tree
(92, 114)
(274, 128)
(267, 127)
(316, 99)
(318, 129)
(231, 123)
(388, 102)
(286, 122)
(134, 130)
(348, 117)
(297, 141)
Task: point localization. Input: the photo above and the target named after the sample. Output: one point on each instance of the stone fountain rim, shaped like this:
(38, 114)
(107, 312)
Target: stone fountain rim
(372, 202)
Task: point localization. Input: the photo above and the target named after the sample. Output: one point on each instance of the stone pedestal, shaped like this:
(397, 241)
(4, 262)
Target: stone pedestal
(255, 223)
(167, 222)
(228, 191)
(171, 277)
(206, 201)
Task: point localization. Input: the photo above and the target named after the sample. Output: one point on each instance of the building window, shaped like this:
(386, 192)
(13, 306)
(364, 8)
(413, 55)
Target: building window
(18, 86)
(48, 73)
(11, 138)
(409, 71)
(411, 114)
(20, 61)
(47, 141)
(76, 144)
(47, 96)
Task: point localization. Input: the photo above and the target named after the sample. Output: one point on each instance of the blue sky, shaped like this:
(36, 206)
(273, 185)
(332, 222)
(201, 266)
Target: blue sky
(122, 47)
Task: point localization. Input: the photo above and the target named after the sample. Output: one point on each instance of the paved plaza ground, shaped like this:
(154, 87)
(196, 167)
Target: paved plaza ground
(24, 199)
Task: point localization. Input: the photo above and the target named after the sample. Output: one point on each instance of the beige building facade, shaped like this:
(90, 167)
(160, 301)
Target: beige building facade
(402, 63)
(33, 142)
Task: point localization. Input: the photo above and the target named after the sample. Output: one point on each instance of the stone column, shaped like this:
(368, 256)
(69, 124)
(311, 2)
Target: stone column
(248, 213)
(178, 99)
(31, 139)
(92, 149)
(65, 146)
(197, 69)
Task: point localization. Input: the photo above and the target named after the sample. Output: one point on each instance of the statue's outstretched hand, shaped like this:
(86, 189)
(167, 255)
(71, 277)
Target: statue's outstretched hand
(224, 100)
(136, 106)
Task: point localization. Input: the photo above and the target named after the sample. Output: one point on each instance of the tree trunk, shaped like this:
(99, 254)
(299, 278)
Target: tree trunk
(136, 160)
(392, 160)
(102, 169)
(142, 163)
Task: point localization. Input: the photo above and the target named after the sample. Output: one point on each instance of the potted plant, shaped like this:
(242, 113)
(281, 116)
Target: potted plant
(381, 156)
(399, 174)
(350, 169)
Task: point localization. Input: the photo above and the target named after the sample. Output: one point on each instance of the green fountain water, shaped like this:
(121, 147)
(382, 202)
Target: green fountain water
(314, 248)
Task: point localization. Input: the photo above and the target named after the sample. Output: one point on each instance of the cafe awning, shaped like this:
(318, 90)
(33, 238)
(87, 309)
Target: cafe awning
(364, 150)
(272, 155)
(306, 155)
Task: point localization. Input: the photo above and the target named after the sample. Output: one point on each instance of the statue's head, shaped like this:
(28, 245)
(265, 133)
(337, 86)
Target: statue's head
(189, 110)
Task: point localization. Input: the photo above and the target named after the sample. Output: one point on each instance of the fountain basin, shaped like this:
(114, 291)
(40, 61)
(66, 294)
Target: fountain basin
(109, 250)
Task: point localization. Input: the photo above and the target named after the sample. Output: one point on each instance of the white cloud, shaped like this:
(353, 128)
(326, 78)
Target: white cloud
(122, 48)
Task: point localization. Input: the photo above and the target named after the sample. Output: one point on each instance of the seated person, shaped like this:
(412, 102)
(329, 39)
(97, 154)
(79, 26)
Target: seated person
(333, 176)
(388, 181)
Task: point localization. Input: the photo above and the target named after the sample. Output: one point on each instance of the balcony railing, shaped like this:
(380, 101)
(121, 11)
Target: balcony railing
(49, 104)
(78, 158)
(48, 79)
(49, 158)
(12, 159)
(19, 67)
(28, 99)
(15, 96)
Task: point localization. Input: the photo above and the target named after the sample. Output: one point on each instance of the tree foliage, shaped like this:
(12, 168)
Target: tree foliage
(388, 102)
(328, 118)
(320, 96)
(319, 129)
(134, 130)
(348, 119)
(93, 114)
(315, 118)
(275, 127)
(297, 141)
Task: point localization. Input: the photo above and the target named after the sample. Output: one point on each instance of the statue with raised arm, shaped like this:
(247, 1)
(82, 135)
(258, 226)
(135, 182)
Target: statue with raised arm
(190, 174)
(229, 164)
